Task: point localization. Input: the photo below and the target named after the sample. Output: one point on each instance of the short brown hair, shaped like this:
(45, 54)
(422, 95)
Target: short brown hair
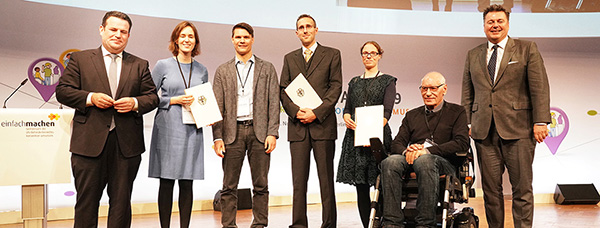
(496, 8)
(379, 49)
(116, 14)
(174, 48)
(244, 26)
(303, 16)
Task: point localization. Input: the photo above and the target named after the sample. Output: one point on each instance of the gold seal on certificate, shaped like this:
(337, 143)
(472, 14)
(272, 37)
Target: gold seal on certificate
(302, 93)
(205, 111)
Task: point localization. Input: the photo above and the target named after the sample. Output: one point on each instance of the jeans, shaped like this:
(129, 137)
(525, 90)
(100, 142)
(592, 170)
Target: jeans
(428, 168)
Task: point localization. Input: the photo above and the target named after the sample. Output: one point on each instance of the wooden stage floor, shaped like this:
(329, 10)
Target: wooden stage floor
(546, 216)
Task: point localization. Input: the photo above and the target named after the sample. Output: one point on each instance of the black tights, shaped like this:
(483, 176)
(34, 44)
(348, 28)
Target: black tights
(165, 202)
(363, 200)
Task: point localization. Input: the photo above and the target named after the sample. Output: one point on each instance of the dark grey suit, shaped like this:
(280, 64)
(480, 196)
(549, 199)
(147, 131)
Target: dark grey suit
(93, 145)
(239, 138)
(502, 115)
(324, 73)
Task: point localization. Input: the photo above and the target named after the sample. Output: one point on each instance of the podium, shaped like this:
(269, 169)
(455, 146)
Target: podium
(35, 153)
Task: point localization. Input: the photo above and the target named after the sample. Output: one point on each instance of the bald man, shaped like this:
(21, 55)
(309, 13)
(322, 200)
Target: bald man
(428, 139)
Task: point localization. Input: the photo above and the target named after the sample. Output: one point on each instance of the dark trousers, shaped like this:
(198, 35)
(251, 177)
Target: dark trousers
(324, 151)
(428, 168)
(245, 144)
(93, 174)
(494, 155)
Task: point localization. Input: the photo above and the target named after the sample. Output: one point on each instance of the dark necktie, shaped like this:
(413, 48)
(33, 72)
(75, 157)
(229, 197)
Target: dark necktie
(492, 63)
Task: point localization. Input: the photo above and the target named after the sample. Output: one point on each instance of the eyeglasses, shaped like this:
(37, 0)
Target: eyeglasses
(432, 88)
(372, 54)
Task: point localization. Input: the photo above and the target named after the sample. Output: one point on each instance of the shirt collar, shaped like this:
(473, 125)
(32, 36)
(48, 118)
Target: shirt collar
(502, 43)
(105, 52)
(238, 61)
(312, 48)
(437, 108)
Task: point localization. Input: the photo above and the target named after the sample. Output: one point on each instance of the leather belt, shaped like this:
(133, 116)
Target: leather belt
(245, 122)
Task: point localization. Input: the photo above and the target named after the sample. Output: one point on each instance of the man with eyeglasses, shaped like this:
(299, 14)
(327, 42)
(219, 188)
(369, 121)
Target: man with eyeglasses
(312, 129)
(428, 139)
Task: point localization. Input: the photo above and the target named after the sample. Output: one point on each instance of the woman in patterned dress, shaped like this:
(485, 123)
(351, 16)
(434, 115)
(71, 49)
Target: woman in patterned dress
(357, 165)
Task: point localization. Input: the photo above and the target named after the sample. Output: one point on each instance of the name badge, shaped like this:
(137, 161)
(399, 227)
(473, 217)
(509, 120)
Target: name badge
(244, 107)
(429, 143)
(186, 115)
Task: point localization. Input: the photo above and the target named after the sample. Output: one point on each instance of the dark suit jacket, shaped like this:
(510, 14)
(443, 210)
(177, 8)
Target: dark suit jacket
(86, 73)
(265, 101)
(325, 76)
(519, 98)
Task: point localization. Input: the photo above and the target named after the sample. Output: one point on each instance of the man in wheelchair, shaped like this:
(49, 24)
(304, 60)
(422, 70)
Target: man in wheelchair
(427, 141)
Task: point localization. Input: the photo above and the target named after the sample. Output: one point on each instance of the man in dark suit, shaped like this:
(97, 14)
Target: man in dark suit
(507, 99)
(428, 140)
(314, 129)
(108, 130)
(247, 93)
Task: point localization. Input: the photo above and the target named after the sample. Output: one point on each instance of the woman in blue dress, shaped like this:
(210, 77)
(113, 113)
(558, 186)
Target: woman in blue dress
(177, 148)
(357, 165)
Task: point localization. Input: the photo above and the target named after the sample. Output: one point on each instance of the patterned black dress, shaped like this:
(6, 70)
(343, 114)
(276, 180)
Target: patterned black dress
(357, 165)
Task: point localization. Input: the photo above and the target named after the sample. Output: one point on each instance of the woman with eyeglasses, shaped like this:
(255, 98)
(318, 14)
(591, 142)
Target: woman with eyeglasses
(357, 165)
(177, 147)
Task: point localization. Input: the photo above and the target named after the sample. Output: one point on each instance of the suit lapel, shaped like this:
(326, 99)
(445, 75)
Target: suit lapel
(98, 61)
(258, 67)
(315, 60)
(231, 90)
(232, 80)
(126, 75)
(300, 63)
(483, 61)
(508, 53)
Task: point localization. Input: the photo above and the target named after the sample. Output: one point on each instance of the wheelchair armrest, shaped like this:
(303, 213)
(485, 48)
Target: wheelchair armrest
(377, 149)
(462, 154)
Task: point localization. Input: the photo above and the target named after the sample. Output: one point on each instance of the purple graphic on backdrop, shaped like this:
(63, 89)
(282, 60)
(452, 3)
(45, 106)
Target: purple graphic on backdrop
(44, 74)
(557, 129)
(69, 193)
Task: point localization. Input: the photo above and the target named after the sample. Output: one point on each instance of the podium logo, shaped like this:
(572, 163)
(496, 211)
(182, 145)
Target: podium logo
(53, 116)
(22, 123)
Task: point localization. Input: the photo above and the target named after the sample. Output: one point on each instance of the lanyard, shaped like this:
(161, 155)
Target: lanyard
(436, 125)
(370, 86)
(183, 77)
(247, 74)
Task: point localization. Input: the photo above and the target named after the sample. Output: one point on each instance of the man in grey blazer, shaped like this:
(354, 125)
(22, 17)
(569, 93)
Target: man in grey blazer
(110, 90)
(247, 93)
(507, 100)
(314, 129)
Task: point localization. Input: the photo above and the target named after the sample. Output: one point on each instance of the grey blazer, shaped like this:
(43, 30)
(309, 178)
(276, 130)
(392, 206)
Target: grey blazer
(519, 98)
(265, 101)
(325, 76)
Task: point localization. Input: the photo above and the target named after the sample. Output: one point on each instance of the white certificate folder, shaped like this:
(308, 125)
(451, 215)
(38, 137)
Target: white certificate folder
(302, 93)
(204, 108)
(369, 124)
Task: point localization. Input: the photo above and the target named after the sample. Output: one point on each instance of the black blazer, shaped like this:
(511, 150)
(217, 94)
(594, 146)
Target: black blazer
(325, 76)
(85, 73)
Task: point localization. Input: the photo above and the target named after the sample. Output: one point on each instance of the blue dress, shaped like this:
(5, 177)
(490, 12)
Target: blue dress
(176, 149)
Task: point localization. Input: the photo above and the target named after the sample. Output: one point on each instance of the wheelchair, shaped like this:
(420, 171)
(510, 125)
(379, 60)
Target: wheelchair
(453, 189)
